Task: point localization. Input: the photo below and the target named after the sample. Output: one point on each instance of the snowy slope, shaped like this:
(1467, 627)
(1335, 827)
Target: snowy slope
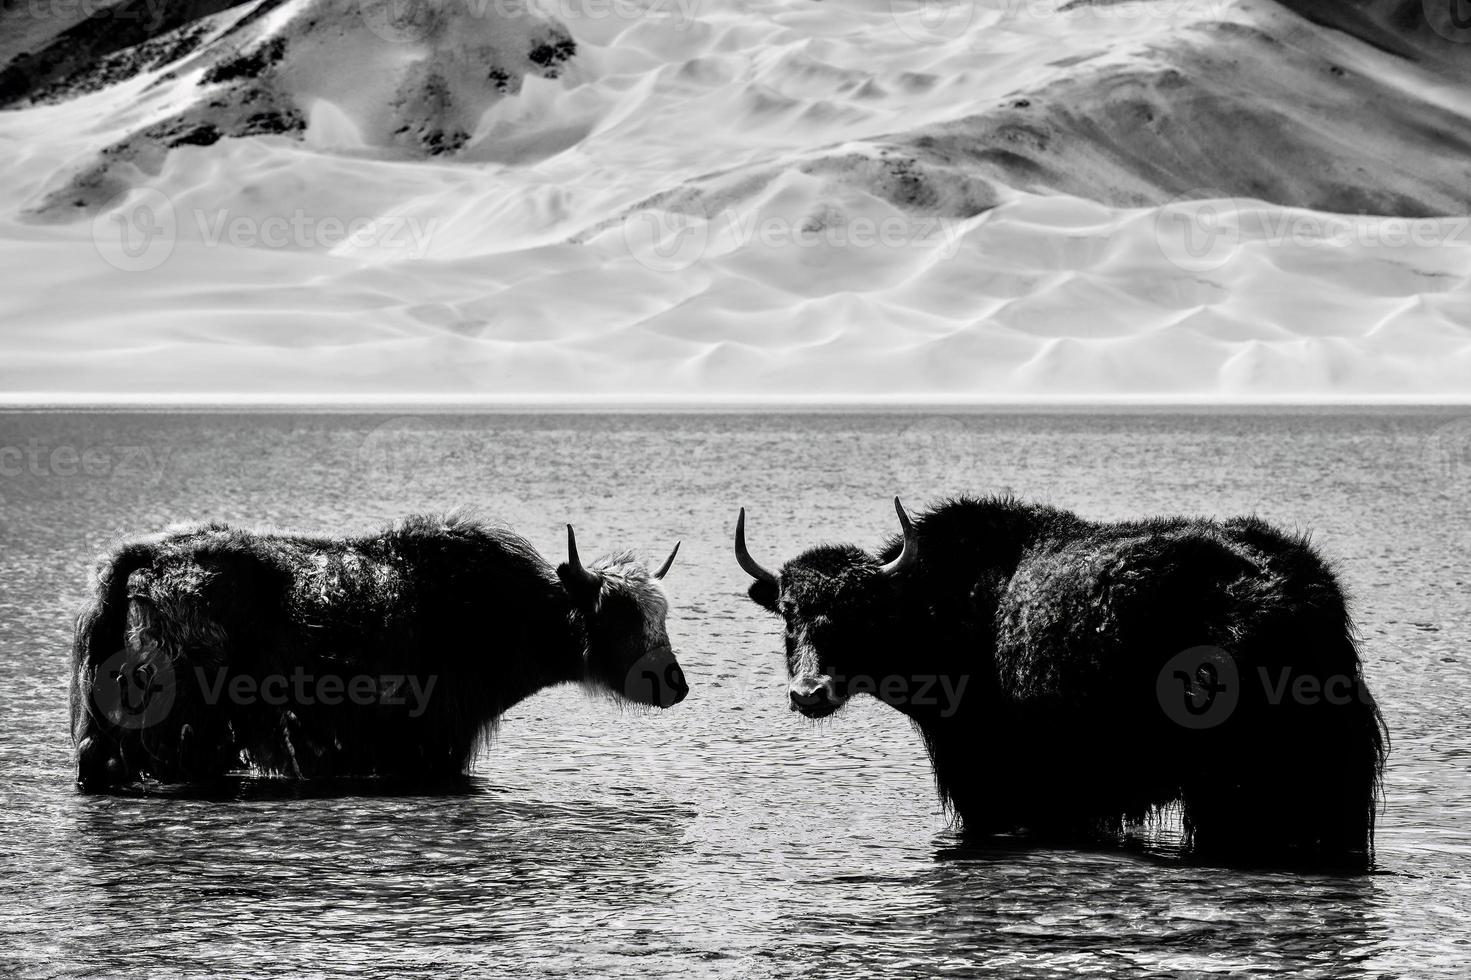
(1006, 200)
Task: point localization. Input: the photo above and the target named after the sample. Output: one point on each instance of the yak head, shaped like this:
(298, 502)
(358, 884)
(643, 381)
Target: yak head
(836, 601)
(622, 608)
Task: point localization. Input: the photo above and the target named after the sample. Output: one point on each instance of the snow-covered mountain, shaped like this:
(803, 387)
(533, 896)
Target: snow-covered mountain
(780, 199)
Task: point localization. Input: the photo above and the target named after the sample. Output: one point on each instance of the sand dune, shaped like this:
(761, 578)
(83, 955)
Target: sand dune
(776, 199)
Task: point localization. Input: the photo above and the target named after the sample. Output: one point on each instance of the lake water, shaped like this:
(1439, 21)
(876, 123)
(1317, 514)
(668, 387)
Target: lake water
(727, 836)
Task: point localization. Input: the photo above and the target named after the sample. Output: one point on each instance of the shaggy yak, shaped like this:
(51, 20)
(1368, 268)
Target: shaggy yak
(1070, 678)
(208, 647)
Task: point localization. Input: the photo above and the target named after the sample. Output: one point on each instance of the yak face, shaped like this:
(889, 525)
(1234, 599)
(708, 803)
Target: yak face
(835, 601)
(623, 608)
(832, 599)
(135, 711)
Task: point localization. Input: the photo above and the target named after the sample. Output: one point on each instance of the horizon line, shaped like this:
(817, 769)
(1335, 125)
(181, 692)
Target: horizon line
(571, 403)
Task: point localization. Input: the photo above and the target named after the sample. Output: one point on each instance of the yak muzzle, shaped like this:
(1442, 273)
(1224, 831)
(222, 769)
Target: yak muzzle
(98, 765)
(655, 680)
(676, 688)
(815, 697)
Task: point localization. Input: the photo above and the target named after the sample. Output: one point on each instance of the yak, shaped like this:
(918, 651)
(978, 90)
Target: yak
(208, 648)
(1071, 679)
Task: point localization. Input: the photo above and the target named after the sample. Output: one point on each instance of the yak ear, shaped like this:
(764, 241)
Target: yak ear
(764, 594)
(581, 586)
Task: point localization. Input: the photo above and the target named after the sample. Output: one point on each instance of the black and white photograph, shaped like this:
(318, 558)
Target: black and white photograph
(735, 489)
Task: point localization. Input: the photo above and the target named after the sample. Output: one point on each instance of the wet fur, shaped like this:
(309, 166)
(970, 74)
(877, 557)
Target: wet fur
(1062, 626)
(453, 597)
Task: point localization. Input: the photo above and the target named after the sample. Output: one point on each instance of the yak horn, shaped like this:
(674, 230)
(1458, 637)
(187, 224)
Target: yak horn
(744, 557)
(910, 552)
(591, 579)
(664, 568)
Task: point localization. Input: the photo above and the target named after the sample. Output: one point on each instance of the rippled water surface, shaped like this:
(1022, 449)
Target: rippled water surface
(727, 836)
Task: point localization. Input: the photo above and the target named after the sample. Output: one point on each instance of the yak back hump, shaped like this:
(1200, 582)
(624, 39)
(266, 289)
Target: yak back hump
(1093, 615)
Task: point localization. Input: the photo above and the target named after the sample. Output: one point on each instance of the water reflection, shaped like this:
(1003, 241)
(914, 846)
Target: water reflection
(1062, 912)
(727, 836)
(387, 875)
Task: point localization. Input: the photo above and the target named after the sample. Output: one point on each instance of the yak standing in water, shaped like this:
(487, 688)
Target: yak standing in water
(208, 647)
(1070, 678)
